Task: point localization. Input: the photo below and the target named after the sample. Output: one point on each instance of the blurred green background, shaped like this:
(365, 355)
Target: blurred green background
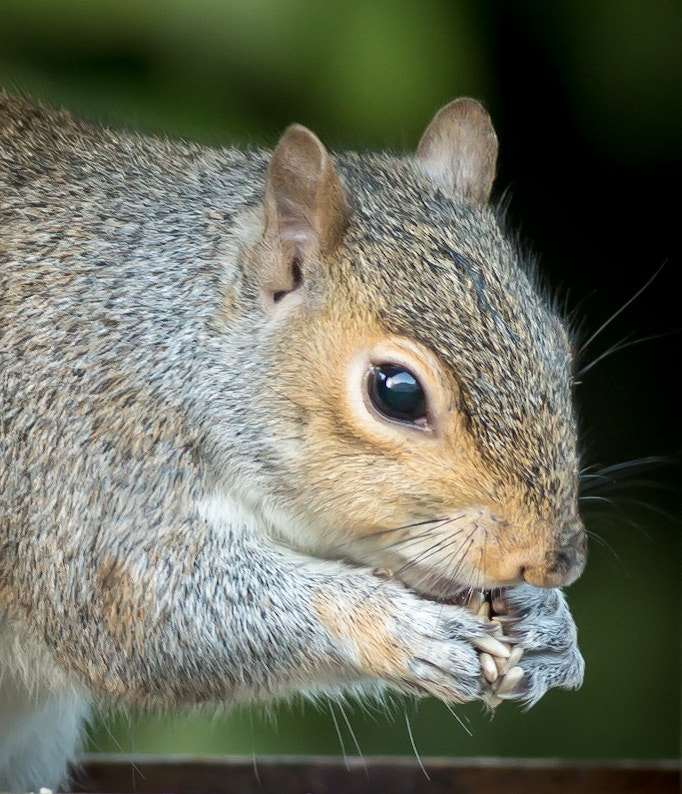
(587, 100)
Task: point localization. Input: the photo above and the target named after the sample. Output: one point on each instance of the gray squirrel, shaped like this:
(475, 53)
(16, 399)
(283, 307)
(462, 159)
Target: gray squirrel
(268, 422)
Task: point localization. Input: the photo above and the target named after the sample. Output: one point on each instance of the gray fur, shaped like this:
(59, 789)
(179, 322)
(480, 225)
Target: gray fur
(147, 458)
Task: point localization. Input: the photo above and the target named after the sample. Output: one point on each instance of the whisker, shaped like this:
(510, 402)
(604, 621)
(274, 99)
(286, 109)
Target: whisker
(415, 539)
(414, 746)
(378, 533)
(459, 719)
(602, 542)
(460, 554)
(626, 466)
(624, 344)
(618, 516)
(624, 500)
(612, 551)
(353, 737)
(422, 535)
(339, 735)
(417, 536)
(425, 522)
(596, 499)
(614, 485)
(455, 553)
(619, 311)
(430, 551)
(339, 548)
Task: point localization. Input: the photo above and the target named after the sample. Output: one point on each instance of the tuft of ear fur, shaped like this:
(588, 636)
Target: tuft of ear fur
(458, 152)
(305, 208)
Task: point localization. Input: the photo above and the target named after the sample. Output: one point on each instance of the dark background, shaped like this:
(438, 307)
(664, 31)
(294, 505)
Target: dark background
(586, 96)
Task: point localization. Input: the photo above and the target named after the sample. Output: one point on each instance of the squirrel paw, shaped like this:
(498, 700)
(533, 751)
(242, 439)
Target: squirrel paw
(417, 646)
(446, 651)
(544, 653)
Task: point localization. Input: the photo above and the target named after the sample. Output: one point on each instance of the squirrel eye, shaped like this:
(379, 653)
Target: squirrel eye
(397, 394)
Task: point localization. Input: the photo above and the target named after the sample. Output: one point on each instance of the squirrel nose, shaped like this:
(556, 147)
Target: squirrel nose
(563, 563)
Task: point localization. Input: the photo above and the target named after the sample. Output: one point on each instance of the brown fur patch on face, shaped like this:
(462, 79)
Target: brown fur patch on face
(357, 471)
(383, 493)
(365, 471)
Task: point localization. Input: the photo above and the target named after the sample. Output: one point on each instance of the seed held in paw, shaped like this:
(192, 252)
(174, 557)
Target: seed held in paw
(489, 668)
(509, 683)
(492, 646)
(501, 665)
(514, 657)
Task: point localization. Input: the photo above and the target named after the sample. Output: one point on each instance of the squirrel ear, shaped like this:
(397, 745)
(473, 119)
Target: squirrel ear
(305, 208)
(458, 152)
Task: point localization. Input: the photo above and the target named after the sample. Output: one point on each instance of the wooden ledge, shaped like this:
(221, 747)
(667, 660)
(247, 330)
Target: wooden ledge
(387, 775)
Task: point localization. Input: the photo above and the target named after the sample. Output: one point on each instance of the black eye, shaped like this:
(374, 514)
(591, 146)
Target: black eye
(397, 394)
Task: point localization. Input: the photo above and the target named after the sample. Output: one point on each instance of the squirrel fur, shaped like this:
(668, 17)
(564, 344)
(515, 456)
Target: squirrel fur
(202, 497)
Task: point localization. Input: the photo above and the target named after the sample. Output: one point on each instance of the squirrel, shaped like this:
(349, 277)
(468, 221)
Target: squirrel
(268, 419)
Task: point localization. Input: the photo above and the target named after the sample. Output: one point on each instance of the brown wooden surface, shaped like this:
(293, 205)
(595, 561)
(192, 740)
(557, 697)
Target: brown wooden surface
(386, 775)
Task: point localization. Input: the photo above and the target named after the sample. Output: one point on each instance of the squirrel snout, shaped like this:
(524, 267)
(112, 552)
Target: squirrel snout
(563, 563)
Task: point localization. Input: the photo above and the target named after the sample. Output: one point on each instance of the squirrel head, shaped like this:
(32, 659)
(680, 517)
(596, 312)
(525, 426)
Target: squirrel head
(420, 414)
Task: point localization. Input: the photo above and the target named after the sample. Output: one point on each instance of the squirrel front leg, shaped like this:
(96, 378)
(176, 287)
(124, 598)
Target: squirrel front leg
(198, 615)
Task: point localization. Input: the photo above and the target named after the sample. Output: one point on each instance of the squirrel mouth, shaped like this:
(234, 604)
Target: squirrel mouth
(445, 591)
